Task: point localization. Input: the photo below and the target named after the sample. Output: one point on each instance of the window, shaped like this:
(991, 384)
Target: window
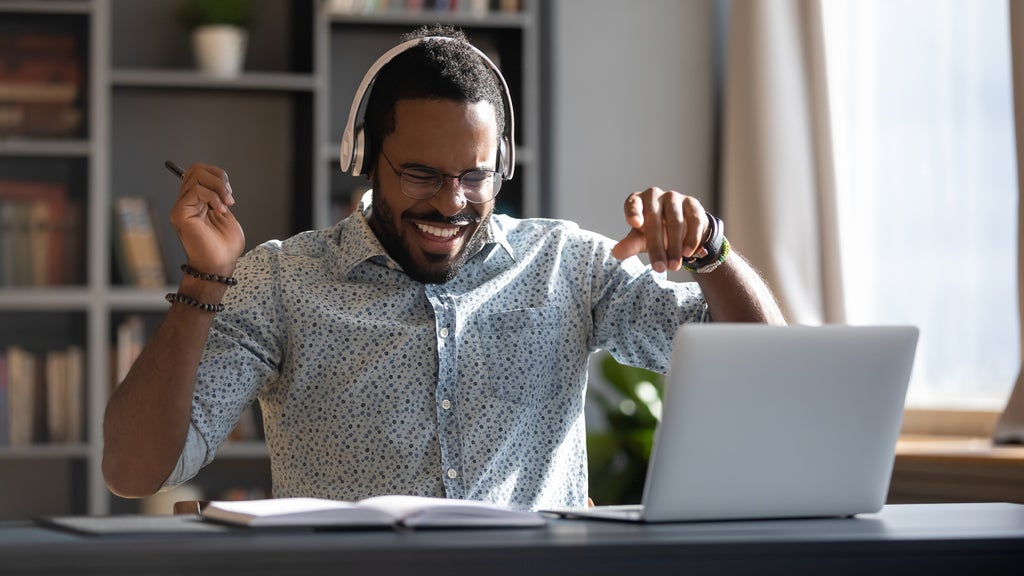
(922, 118)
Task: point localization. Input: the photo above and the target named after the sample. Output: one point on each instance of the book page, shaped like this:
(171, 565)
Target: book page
(309, 512)
(421, 511)
(391, 510)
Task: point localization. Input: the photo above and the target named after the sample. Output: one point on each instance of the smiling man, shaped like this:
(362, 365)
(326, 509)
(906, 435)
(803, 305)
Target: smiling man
(425, 345)
(431, 234)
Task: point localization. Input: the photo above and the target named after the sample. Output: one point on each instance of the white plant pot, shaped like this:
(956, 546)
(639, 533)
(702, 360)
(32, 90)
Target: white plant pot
(220, 49)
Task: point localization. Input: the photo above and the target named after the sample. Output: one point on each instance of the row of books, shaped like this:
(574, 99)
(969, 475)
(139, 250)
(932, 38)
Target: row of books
(42, 238)
(42, 396)
(41, 234)
(41, 80)
(479, 8)
(42, 393)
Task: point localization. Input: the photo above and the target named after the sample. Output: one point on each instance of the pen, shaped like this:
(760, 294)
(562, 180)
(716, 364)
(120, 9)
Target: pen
(174, 168)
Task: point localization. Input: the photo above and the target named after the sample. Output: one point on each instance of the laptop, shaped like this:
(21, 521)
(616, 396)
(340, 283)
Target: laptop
(764, 422)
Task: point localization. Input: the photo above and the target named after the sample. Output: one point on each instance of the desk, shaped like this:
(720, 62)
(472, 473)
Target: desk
(983, 538)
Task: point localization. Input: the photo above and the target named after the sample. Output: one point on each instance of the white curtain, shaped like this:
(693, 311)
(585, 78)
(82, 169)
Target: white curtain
(1010, 426)
(778, 191)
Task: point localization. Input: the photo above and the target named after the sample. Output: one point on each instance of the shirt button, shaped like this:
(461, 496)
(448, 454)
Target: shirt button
(444, 332)
(452, 473)
(446, 404)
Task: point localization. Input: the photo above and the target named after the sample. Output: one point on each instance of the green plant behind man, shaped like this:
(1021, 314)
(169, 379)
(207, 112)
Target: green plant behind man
(618, 454)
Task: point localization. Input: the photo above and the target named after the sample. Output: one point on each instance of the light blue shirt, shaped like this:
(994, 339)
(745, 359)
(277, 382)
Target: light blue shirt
(371, 383)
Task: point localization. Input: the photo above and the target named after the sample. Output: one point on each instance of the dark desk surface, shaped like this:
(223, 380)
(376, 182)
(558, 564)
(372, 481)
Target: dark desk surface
(902, 539)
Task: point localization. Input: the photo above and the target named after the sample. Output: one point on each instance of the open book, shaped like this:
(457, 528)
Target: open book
(392, 510)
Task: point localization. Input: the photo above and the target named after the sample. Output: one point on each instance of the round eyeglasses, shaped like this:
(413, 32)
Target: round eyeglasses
(420, 183)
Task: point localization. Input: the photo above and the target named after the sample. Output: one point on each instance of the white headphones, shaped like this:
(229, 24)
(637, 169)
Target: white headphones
(353, 141)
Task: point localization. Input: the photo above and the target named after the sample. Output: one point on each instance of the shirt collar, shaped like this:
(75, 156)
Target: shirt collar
(495, 233)
(359, 242)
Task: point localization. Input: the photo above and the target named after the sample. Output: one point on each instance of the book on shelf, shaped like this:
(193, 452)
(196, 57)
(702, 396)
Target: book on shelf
(136, 245)
(42, 396)
(131, 338)
(41, 223)
(57, 395)
(17, 263)
(41, 74)
(378, 511)
(67, 246)
(65, 373)
(39, 230)
(20, 396)
(4, 428)
(42, 120)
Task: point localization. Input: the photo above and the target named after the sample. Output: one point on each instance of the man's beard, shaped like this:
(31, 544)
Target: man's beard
(382, 222)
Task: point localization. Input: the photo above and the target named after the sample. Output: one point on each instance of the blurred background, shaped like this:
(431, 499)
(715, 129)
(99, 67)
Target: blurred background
(862, 154)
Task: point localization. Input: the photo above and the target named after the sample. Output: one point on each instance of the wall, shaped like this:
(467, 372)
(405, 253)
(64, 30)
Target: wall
(631, 87)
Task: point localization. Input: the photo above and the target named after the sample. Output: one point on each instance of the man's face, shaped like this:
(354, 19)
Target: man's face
(432, 238)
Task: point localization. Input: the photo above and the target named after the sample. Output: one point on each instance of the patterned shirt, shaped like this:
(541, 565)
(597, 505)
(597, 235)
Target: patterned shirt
(372, 383)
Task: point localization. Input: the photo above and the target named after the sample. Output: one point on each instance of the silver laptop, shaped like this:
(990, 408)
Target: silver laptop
(775, 422)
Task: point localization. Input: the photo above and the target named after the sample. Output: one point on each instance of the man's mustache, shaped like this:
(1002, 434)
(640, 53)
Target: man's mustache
(438, 218)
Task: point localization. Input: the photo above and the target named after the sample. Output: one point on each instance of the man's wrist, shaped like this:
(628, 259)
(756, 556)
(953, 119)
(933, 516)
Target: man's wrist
(716, 248)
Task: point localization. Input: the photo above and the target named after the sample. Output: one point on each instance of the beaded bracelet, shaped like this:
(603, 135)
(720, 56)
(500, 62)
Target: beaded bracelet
(173, 297)
(716, 263)
(227, 280)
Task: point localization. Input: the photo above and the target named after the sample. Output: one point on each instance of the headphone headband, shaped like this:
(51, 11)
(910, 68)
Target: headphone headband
(352, 140)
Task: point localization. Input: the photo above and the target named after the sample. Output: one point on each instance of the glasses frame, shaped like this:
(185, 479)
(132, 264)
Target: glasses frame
(496, 181)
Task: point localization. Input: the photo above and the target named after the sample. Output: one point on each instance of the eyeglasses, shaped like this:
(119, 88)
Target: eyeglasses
(477, 186)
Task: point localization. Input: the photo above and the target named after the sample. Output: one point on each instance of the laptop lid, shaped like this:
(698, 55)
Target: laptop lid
(778, 421)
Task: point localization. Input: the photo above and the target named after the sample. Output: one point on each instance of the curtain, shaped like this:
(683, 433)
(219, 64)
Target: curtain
(777, 182)
(1010, 426)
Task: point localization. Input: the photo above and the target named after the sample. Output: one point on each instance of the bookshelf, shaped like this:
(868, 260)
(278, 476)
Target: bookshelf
(276, 129)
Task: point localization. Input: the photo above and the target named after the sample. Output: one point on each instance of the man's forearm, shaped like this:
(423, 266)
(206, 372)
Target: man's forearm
(735, 292)
(147, 418)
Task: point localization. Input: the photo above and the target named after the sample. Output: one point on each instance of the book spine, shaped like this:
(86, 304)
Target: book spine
(75, 393)
(4, 418)
(131, 338)
(21, 382)
(139, 256)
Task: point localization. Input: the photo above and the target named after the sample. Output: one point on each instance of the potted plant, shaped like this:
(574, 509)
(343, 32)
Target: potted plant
(220, 34)
(618, 452)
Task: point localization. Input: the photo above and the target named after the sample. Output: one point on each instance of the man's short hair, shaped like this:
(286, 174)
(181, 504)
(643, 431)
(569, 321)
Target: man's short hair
(431, 70)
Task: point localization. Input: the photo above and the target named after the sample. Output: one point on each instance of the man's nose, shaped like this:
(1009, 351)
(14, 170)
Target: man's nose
(449, 200)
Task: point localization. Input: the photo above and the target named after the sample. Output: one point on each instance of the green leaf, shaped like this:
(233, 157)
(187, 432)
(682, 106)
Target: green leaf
(232, 12)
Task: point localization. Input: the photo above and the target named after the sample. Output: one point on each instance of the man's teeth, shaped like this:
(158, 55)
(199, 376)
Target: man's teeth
(436, 231)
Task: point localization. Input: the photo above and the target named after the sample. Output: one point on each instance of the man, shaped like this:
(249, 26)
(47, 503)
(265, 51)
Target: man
(424, 345)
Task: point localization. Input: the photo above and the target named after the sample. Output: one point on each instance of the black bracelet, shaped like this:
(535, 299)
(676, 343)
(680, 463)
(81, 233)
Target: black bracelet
(715, 246)
(173, 297)
(227, 280)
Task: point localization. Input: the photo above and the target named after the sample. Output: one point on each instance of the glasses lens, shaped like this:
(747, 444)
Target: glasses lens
(420, 183)
(480, 185)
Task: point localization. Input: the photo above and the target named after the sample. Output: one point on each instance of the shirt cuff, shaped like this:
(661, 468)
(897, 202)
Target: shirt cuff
(193, 457)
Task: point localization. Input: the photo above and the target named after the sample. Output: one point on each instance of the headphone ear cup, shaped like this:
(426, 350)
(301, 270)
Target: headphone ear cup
(501, 163)
(359, 152)
(368, 148)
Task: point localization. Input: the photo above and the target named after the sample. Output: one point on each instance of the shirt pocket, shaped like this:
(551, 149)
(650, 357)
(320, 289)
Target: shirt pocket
(520, 348)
